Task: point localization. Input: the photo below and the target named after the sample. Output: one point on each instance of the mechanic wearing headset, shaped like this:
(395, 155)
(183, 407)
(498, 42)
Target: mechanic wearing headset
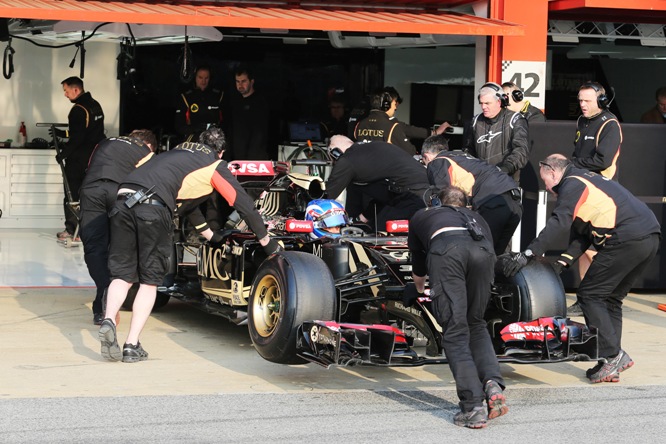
(142, 228)
(198, 107)
(596, 148)
(383, 182)
(518, 103)
(492, 193)
(600, 212)
(497, 135)
(460, 264)
(381, 124)
(113, 159)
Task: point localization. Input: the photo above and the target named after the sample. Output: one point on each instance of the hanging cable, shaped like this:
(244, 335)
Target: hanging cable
(8, 60)
(186, 69)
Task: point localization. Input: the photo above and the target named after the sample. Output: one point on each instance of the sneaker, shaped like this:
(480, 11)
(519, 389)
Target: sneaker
(62, 235)
(134, 353)
(610, 370)
(590, 371)
(495, 399)
(107, 336)
(474, 419)
(575, 310)
(625, 361)
(98, 318)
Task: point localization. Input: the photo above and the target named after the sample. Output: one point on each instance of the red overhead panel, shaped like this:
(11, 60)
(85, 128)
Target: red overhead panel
(411, 17)
(617, 11)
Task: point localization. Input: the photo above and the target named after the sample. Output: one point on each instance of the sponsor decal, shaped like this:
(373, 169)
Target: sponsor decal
(298, 226)
(488, 137)
(251, 168)
(397, 226)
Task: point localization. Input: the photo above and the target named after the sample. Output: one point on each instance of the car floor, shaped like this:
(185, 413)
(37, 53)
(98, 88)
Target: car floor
(34, 258)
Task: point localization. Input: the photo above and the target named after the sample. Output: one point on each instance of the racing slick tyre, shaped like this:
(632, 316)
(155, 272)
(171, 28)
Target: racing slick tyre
(289, 288)
(540, 290)
(160, 300)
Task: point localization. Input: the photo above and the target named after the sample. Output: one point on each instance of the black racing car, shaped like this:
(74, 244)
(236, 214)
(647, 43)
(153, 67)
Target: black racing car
(339, 301)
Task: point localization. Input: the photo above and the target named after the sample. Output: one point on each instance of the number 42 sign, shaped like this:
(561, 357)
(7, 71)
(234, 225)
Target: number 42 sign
(528, 76)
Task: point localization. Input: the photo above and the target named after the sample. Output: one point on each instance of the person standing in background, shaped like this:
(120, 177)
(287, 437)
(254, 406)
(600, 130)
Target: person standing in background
(247, 121)
(85, 129)
(199, 107)
(518, 103)
(656, 114)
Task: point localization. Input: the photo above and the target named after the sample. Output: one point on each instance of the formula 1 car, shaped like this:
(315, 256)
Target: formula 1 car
(339, 301)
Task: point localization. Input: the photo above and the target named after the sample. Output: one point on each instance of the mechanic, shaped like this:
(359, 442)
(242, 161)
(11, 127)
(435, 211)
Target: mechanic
(493, 194)
(497, 135)
(113, 159)
(518, 103)
(600, 212)
(381, 124)
(596, 148)
(383, 182)
(85, 130)
(142, 228)
(199, 107)
(328, 216)
(459, 263)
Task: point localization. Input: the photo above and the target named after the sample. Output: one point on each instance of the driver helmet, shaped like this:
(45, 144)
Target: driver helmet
(327, 215)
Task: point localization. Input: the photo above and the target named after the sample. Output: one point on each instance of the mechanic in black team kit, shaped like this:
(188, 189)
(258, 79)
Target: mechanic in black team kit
(142, 228)
(113, 159)
(600, 212)
(459, 263)
(492, 193)
(383, 182)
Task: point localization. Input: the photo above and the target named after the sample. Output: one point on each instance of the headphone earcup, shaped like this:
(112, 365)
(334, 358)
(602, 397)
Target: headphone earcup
(602, 101)
(434, 201)
(386, 101)
(499, 92)
(517, 95)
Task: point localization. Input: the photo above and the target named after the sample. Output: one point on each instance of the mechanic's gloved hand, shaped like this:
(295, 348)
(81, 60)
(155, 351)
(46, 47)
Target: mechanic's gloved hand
(59, 157)
(558, 267)
(272, 246)
(410, 295)
(517, 262)
(220, 235)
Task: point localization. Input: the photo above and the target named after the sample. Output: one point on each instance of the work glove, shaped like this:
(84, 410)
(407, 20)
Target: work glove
(517, 262)
(59, 157)
(272, 247)
(410, 294)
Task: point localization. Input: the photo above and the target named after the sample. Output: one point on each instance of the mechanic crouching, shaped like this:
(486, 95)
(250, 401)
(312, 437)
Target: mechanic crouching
(383, 182)
(142, 228)
(624, 231)
(453, 246)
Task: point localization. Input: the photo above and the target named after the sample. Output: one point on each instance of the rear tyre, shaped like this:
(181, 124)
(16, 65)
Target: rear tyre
(289, 288)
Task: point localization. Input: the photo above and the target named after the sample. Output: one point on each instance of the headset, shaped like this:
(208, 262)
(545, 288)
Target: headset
(516, 93)
(386, 101)
(602, 99)
(499, 92)
(335, 153)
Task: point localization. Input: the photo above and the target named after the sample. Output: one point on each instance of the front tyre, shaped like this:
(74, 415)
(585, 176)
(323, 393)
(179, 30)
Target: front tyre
(540, 290)
(289, 288)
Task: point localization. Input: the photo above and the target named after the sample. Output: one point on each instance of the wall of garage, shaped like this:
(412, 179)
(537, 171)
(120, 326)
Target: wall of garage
(34, 94)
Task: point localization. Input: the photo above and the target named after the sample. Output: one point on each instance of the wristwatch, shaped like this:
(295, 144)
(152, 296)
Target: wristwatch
(528, 253)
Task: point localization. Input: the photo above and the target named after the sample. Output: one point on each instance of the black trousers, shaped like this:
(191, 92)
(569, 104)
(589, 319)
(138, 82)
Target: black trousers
(460, 274)
(503, 214)
(97, 199)
(74, 176)
(611, 275)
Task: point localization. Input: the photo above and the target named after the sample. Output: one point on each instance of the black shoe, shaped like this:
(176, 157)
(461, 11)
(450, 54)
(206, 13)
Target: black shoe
(134, 353)
(107, 336)
(474, 419)
(575, 310)
(495, 399)
(98, 318)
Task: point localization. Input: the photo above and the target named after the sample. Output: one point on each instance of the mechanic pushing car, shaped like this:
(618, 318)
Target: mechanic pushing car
(142, 228)
(626, 234)
(383, 182)
(492, 193)
(453, 246)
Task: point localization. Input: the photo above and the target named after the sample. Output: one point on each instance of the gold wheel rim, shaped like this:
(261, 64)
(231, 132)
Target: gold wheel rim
(266, 306)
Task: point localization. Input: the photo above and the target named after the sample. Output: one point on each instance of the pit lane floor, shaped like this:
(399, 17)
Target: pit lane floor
(205, 383)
